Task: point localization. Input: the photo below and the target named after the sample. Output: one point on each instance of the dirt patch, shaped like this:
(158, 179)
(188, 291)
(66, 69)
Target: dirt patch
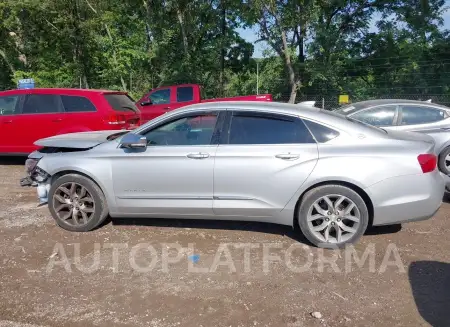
(191, 273)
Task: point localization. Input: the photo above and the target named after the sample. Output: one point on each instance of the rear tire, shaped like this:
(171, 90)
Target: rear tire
(77, 203)
(444, 162)
(331, 216)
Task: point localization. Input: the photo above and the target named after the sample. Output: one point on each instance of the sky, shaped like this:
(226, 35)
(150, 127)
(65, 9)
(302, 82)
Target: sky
(251, 35)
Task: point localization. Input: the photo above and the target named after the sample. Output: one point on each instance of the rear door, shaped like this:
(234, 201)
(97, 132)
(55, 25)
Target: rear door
(41, 116)
(80, 114)
(261, 162)
(421, 117)
(9, 109)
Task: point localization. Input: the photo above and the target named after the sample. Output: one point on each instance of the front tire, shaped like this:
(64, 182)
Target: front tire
(331, 216)
(77, 203)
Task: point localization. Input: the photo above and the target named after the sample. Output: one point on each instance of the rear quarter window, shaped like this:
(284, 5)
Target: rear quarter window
(77, 104)
(121, 102)
(321, 133)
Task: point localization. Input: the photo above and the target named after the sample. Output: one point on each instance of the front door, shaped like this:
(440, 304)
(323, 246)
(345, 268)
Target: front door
(9, 132)
(173, 176)
(260, 164)
(157, 103)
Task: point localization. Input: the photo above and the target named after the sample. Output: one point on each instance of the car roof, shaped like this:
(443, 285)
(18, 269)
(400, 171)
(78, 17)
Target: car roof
(326, 117)
(377, 102)
(58, 91)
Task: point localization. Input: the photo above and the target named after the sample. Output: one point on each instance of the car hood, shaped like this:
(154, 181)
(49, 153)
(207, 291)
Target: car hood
(82, 140)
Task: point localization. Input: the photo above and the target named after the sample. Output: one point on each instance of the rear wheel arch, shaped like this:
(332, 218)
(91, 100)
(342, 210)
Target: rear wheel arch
(351, 186)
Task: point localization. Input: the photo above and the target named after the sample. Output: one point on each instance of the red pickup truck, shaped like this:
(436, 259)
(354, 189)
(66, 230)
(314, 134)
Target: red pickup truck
(161, 100)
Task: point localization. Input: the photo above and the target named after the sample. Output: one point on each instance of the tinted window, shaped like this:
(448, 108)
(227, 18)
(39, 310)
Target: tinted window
(247, 129)
(421, 115)
(77, 104)
(120, 102)
(160, 96)
(379, 116)
(41, 104)
(8, 105)
(185, 94)
(321, 133)
(193, 130)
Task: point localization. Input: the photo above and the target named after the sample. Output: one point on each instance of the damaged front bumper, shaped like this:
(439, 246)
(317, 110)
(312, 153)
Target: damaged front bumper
(37, 177)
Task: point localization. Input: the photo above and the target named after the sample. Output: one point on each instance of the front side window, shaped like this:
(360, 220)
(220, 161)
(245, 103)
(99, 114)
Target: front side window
(185, 94)
(421, 115)
(261, 129)
(191, 130)
(160, 96)
(76, 104)
(8, 105)
(41, 104)
(379, 116)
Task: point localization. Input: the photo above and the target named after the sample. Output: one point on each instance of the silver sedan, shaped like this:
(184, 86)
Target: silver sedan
(271, 162)
(407, 115)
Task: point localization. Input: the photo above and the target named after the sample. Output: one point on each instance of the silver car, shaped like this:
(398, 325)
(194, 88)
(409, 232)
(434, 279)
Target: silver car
(407, 115)
(268, 162)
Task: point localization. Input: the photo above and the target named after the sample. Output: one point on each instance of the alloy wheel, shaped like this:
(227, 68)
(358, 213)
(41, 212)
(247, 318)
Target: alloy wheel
(333, 218)
(73, 204)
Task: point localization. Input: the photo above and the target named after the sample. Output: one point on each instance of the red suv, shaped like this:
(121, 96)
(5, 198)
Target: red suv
(29, 115)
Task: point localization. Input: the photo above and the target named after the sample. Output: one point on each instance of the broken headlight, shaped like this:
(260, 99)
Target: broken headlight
(36, 173)
(30, 165)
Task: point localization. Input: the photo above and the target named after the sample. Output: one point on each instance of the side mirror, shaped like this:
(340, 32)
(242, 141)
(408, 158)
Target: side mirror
(146, 103)
(133, 141)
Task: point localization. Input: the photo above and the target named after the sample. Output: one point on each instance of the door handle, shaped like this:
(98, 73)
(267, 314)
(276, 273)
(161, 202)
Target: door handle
(199, 155)
(7, 121)
(166, 108)
(57, 120)
(287, 156)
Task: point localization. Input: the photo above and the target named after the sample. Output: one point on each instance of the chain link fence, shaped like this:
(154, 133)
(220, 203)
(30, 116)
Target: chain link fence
(332, 101)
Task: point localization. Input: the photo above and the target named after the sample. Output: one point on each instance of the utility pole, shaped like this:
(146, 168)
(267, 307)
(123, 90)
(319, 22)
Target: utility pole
(257, 76)
(222, 51)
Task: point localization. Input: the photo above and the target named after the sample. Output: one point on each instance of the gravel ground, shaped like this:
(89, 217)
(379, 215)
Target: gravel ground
(153, 272)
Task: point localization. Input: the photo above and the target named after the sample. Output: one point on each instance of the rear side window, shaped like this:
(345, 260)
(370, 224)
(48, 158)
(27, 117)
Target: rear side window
(261, 129)
(41, 104)
(185, 94)
(8, 105)
(121, 102)
(421, 115)
(77, 104)
(321, 133)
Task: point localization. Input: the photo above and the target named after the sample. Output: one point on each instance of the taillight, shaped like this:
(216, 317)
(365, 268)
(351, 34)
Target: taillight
(427, 162)
(116, 119)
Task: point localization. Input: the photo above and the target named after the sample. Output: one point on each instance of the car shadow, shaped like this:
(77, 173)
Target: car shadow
(430, 285)
(257, 227)
(13, 160)
(446, 197)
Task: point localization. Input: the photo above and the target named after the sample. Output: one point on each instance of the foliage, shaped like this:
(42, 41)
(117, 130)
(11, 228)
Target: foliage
(322, 47)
